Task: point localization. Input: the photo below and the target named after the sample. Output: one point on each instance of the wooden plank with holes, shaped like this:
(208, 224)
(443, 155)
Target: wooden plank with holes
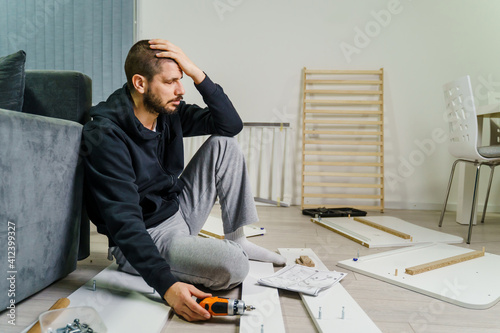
(383, 228)
(343, 138)
(444, 262)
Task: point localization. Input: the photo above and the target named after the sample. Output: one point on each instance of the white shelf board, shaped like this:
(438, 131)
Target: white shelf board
(213, 228)
(124, 302)
(372, 237)
(471, 284)
(331, 302)
(265, 299)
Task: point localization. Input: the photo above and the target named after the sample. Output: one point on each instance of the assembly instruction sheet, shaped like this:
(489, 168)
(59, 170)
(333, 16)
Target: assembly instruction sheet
(302, 279)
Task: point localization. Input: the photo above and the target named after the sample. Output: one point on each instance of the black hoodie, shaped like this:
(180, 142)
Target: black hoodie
(132, 174)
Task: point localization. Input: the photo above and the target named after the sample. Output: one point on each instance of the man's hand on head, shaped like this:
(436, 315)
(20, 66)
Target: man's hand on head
(179, 297)
(174, 52)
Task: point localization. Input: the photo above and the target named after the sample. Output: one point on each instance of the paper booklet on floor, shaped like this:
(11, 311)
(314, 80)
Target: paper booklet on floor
(302, 279)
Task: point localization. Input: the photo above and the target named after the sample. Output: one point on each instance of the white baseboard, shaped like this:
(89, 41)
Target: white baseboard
(429, 206)
(435, 206)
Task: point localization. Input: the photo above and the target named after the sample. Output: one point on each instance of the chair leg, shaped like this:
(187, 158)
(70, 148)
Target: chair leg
(448, 192)
(474, 202)
(492, 169)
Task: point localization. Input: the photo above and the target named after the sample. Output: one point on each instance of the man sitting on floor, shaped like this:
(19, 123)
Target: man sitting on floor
(135, 192)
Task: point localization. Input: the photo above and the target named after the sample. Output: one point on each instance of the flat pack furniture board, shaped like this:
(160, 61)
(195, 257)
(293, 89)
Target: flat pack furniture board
(343, 139)
(471, 284)
(265, 300)
(334, 302)
(383, 231)
(124, 302)
(213, 229)
(267, 316)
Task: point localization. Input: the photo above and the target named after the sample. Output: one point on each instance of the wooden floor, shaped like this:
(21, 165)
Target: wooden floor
(393, 309)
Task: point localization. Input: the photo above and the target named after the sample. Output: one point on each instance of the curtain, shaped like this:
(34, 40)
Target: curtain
(90, 36)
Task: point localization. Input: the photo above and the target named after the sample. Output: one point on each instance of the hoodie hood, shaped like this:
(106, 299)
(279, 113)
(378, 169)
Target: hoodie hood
(118, 109)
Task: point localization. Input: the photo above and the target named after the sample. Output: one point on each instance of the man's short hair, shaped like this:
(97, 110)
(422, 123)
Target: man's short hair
(142, 60)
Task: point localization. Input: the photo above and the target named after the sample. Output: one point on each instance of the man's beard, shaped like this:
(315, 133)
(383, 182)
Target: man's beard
(153, 104)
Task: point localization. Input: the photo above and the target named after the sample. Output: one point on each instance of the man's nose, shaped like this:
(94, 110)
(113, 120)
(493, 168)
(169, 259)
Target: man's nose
(179, 89)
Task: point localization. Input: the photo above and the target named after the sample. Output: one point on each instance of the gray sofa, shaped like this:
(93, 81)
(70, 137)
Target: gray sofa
(43, 228)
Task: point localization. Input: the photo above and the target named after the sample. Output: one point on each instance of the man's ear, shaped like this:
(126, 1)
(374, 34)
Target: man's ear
(140, 83)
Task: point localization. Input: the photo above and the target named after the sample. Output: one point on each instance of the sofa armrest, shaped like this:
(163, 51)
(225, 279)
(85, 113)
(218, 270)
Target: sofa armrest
(65, 95)
(59, 94)
(41, 195)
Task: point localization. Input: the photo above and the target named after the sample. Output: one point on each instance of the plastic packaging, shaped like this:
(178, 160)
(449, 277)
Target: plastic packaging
(85, 316)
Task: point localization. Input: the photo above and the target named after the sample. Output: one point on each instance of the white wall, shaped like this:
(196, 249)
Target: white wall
(256, 50)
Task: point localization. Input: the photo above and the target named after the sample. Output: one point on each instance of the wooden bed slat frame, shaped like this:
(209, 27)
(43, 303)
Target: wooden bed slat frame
(343, 139)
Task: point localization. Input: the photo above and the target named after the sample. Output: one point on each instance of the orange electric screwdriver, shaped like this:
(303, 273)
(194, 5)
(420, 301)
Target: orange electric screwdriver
(221, 306)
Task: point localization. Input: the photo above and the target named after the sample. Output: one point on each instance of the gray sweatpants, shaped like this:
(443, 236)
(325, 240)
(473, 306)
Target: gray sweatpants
(218, 169)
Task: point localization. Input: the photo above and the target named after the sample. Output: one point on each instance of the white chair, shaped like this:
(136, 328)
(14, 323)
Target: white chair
(463, 140)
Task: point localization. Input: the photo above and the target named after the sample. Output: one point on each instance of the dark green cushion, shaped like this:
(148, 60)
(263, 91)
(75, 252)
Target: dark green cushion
(12, 81)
